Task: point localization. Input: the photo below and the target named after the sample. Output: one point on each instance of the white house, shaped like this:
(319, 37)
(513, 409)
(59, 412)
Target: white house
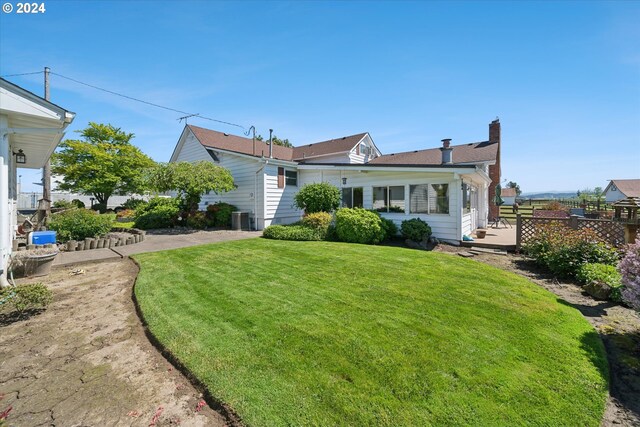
(619, 189)
(448, 187)
(30, 129)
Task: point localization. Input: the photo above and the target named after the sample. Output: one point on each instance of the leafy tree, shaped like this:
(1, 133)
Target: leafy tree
(512, 184)
(190, 180)
(102, 163)
(276, 141)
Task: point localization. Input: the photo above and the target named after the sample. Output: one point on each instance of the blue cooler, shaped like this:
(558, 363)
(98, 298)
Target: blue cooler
(42, 237)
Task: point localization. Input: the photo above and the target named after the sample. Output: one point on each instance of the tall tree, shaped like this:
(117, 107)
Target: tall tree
(102, 163)
(512, 184)
(190, 180)
(276, 141)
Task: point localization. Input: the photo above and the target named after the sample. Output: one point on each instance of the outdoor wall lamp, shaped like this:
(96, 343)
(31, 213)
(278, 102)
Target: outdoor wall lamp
(21, 158)
(344, 181)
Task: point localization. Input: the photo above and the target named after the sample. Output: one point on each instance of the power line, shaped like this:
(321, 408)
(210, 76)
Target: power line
(146, 102)
(22, 74)
(130, 98)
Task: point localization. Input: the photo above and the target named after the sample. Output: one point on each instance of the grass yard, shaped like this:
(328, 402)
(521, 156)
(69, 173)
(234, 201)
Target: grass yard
(319, 333)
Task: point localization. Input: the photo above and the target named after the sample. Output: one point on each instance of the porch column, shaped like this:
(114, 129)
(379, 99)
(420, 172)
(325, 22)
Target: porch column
(5, 225)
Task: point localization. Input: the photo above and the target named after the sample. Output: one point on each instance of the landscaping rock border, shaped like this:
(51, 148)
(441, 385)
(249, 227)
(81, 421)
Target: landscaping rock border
(107, 242)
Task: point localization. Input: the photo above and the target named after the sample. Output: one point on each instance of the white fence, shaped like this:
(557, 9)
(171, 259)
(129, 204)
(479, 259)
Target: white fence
(30, 200)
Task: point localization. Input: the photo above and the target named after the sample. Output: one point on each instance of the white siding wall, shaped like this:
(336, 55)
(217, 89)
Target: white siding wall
(280, 208)
(613, 195)
(339, 158)
(444, 226)
(247, 196)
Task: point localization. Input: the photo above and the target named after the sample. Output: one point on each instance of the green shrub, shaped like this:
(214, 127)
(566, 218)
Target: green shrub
(219, 214)
(319, 221)
(161, 216)
(564, 250)
(291, 232)
(359, 225)
(25, 297)
(132, 203)
(319, 197)
(197, 220)
(155, 203)
(78, 203)
(415, 229)
(99, 207)
(78, 224)
(390, 228)
(601, 273)
(126, 213)
(62, 204)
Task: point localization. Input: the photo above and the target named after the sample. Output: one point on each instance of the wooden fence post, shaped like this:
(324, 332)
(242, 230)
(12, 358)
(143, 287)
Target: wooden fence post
(518, 232)
(573, 222)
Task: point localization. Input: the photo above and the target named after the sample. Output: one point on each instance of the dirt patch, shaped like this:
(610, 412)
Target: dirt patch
(618, 326)
(86, 359)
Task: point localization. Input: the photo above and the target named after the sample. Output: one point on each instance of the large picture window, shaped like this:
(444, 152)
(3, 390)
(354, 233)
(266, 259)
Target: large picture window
(388, 199)
(429, 199)
(352, 197)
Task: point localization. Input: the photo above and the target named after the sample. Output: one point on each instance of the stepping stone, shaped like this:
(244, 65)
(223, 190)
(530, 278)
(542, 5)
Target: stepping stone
(466, 254)
(480, 251)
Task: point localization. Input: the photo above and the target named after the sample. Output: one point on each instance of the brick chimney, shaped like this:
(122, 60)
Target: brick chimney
(447, 152)
(494, 170)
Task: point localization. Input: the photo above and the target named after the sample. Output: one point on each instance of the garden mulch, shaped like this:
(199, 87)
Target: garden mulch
(618, 327)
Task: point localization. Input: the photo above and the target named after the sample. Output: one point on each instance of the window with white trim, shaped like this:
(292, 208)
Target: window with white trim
(429, 199)
(389, 199)
(352, 197)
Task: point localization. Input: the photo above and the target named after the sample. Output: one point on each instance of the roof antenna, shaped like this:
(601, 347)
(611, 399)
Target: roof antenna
(186, 117)
(252, 128)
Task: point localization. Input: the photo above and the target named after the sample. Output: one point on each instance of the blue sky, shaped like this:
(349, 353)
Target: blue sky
(564, 77)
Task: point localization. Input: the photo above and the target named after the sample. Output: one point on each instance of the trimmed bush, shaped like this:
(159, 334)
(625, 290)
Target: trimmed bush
(219, 214)
(78, 203)
(564, 250)
(291, 232)
(99, 207)
(603, 273)
(155, 203)
(319, 197)
(26, 297)
(62, 204)
(133, 203)
(390, 228)
(197, 220)
(359, 225)
(319, 221)
(415, 229)
(160, 217)
(78, 224)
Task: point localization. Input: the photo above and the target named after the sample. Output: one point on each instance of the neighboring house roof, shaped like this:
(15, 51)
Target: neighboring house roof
(224, 141)
(628, 187)
(339, 145)
(467, 153)
(508, 192)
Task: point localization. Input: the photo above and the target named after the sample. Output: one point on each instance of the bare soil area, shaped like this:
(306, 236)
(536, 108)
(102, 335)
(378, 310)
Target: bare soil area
(86, 361)
(618, 326)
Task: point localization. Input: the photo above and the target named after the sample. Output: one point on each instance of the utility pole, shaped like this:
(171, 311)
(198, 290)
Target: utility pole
(46, 170)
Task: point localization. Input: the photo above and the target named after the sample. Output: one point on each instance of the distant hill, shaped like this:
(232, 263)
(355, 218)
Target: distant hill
(550, 195)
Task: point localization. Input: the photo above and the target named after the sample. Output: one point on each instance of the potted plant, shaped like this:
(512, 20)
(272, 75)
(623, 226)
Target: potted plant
(33, 262)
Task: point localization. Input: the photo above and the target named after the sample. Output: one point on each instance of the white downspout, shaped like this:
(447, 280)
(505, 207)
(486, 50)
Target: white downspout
(255, 195)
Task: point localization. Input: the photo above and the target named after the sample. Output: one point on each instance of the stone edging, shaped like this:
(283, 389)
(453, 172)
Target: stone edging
(107, 243)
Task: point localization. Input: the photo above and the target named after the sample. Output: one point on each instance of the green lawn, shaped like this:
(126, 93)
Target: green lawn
(319, 333)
